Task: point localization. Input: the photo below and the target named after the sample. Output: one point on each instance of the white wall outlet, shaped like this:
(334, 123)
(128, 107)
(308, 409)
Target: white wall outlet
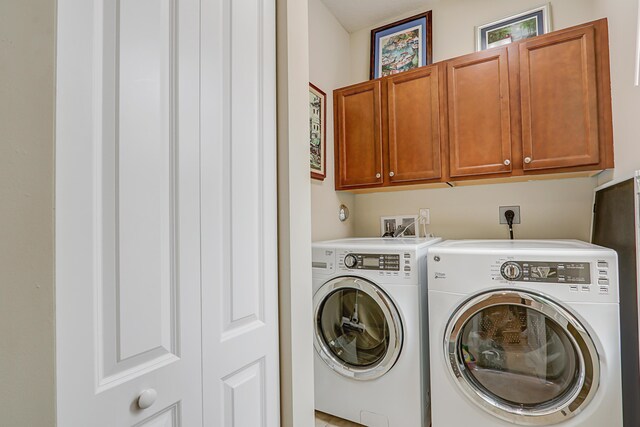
(516, 211)
(425, 216)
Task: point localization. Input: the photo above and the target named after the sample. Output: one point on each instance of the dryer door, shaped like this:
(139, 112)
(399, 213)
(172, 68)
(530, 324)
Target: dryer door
(522, 357)
(358, 330)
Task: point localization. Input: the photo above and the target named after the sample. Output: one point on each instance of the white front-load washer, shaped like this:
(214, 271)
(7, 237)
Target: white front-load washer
(524, 332)
(371, 333)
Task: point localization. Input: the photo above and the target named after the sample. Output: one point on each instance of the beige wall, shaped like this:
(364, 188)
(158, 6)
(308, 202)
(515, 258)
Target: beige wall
(555, 209)
(27, 363)
(454, 22)
(550, 209)
(328, 69)
(623, 21)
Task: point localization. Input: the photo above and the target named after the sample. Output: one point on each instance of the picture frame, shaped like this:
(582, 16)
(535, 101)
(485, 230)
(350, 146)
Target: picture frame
(401, 46)
(533, 22)
(317, 132)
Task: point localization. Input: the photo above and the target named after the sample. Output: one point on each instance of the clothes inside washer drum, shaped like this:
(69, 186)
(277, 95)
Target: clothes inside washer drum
(519, 355)
(354, 327)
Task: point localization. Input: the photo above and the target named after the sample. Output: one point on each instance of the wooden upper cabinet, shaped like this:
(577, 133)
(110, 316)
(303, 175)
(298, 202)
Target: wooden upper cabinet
(479, 114)
(536, 106)
(358, 135)
(559, 100)
(413, 108)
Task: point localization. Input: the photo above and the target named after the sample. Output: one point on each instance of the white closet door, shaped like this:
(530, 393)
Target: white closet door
(239, 248)
(127, 213)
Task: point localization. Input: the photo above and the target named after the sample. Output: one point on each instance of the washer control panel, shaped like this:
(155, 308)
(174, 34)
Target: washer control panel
(548, 272)
(385, 262)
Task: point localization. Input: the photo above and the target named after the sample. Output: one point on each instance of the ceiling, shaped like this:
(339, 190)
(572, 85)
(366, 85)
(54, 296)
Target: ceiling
(357, 14)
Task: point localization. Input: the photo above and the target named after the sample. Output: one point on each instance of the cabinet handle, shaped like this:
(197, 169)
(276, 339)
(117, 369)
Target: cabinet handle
(378, 175)
(391, 173)
(527, 160)
(507, 162)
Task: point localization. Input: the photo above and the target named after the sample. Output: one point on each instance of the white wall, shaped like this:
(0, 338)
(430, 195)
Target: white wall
(27, 389)
(550, 209)
(328, 69)
(623, 22)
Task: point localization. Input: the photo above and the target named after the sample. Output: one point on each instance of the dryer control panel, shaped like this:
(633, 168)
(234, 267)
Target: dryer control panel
(548, 272)
(387, 262)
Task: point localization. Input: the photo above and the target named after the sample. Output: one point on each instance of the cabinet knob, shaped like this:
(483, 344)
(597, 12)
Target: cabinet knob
(147, 398)
(391, 173)
(507, 162)
(527, 160)
(378, 175)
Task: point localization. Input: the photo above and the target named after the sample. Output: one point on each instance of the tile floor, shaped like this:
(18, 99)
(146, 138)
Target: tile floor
(326, 420)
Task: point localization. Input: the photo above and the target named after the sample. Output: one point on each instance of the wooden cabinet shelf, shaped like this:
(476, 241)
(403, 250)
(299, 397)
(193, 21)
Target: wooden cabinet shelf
(534, 107)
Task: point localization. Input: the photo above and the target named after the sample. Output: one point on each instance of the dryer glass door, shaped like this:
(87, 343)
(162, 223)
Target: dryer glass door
(358, 330)
(522, 357)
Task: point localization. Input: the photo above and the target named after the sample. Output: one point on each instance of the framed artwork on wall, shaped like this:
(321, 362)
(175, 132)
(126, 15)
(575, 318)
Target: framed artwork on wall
(401, 46)
(524, 25)
(317, 132)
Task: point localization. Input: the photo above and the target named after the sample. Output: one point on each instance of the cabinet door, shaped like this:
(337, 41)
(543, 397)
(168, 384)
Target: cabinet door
(479, 114)
(414, 125)
(559, 100)
(358, 135)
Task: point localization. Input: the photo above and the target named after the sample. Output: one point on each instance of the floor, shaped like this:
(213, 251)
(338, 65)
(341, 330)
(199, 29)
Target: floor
(326, 420)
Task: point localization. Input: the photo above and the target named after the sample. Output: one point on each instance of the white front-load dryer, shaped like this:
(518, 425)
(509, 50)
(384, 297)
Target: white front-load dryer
(524, 332)
(371, 333)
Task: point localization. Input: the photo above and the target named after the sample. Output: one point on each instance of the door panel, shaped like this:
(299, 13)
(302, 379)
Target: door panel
(559, 100)
(238, 211)
(127, 217)
(414, 125)
(359, 135)
(167, 418)
(138, 287)
(479, 114)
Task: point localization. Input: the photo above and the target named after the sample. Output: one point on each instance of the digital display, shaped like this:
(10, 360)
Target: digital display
(370, 261)
(385, 262)
(555, 272)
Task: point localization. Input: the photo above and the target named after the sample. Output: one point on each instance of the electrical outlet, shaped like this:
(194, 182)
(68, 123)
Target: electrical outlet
(425, 216)
(516, 211)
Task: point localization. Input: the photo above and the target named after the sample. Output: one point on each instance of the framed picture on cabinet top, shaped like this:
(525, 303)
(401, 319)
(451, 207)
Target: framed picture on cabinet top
(317, 132)
(522, 26)
(401, 46)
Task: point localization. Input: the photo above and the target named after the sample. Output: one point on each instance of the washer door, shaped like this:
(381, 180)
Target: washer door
(521, 357)
(358, 328)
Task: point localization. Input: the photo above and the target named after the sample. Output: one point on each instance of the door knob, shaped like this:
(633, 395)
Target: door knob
(527, 160)
(391, 173)
(378, 175)
(147, 398)
(507, 162)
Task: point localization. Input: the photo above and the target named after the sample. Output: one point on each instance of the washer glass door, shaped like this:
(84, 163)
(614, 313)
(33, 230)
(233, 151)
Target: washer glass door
(522, 357)
(358, 328)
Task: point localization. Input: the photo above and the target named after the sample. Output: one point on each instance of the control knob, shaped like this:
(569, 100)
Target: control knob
(511, 270)
(350, 261)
